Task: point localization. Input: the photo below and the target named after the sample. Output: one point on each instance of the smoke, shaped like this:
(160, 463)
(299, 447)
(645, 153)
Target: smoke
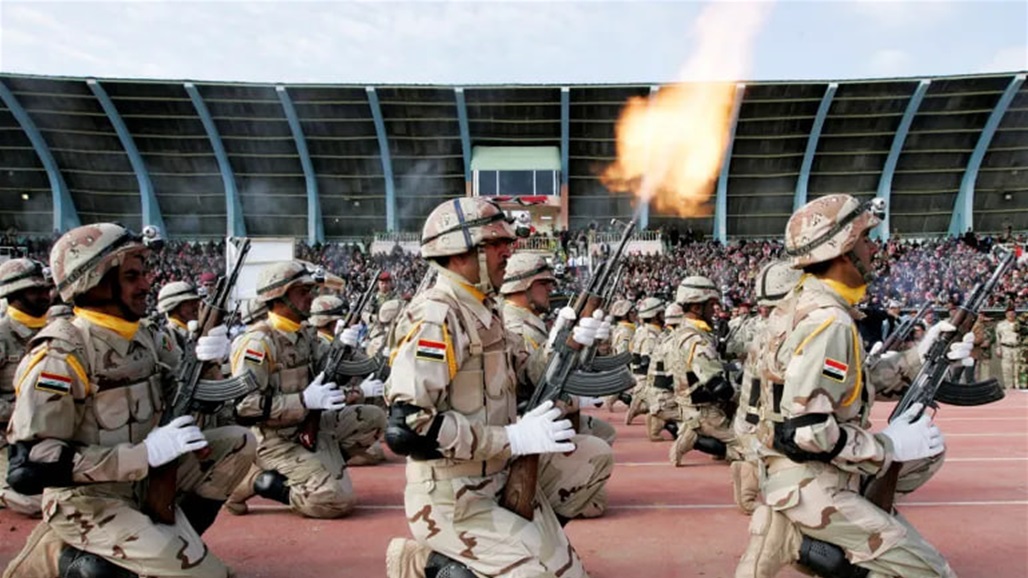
(420, 189)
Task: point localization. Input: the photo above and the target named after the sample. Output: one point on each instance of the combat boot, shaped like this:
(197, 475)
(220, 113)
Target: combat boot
(745, 485)
(38, 557)
(654, 425)
(634, 409)
(236, 503)
(409, 559)
(372, 456)
(774, 544)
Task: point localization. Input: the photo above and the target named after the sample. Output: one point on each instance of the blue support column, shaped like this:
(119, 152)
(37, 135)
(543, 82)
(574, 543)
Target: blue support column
(315, 228)
(387, 163)
(234, 223)
(65, 215)
(465, 132)
(963, 207)
(565, 135)
(808, 157)
(151, 210)
(885, 183)
(721, 198)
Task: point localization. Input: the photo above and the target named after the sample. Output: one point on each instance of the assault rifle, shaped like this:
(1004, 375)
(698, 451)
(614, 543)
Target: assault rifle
(563, 376)
(193, 392)
(927, 386)
(382, 357)
(897, 337)
(590, 360)
(340, 362)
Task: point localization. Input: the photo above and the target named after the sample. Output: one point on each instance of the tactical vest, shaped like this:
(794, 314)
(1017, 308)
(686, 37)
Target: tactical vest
(484, 387)
(641, 347)
(12, 349)
(685, 341)
(291, 366)
(659, 375)
(621, 337)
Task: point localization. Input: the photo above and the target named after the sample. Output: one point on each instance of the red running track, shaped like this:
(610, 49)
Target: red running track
(663, 522)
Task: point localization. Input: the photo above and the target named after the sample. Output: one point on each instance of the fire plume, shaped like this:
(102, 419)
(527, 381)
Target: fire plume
(670, 146)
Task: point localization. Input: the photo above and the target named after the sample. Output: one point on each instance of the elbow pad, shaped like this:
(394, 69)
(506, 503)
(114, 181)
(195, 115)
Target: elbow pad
(720, 388)
(785, 439)
(29, 478)
(642, 365)
(404, 441)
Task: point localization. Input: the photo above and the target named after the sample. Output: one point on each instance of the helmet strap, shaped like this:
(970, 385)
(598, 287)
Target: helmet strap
(485, 284)
(865, 273)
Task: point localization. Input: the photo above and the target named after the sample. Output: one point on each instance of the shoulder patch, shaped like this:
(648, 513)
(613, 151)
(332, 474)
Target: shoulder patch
(54, 383)
(430, 350)
(254, 353)
(834, 369)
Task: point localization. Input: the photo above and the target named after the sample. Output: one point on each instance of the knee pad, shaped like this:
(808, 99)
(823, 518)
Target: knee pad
(672, 428)
(712, 446)
(440, 566)
(826, 559)
(272, 485)
(625, 398)
(201, 512)
(74, 563)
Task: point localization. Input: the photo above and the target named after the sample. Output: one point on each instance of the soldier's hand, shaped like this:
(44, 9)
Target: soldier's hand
(320, 395)
(540, 432)
(914, 438)
(373, 387)
(168, 442)
(585, 332)
(214, 346)
(349, 336)
(932, 335)
(961, 350)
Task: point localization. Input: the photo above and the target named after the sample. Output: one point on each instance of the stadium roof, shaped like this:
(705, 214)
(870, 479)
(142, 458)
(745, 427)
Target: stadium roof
(207, 159)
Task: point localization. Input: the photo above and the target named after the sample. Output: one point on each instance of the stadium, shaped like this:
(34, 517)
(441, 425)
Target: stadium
(344, 176)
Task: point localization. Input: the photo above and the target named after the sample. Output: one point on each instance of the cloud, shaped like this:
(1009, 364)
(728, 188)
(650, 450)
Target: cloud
(1008, 59)
(904, 13)
(890, 62)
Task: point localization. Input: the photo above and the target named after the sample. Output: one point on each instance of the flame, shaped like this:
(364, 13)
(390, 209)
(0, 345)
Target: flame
(670, 146)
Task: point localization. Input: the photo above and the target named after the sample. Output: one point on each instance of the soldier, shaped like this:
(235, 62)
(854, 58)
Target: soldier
(620, 338)
(91, 392)
(452, 396)
(326, 310)
(660, 389)
(702, 389)
(984, 337)
(385, 289)
(1008, 350)
(58, 311)
(650, 312)
(26, 286)
(820, 393)
(283, 357)
(180, 304)
(741, 330)
(380, 330)
(773, 283)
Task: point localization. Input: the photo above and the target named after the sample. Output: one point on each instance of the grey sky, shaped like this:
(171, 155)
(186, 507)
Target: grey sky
(496, 42)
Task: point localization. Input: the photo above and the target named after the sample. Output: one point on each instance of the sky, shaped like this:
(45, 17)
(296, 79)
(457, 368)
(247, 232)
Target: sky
(487, 42)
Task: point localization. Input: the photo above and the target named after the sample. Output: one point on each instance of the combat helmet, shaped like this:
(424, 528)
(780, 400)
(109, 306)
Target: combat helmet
(327, 308)
(829, 227)
(674, 314)
(523, 269)
(275, 279)
(174, 293)
(19, 274)
(650, 307)
(621, 308)
(462, 225)
(775, 281)
(696, 289)
(83, 255)
(389, 311)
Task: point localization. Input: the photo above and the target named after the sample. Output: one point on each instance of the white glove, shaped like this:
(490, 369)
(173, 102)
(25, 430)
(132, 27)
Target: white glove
(585, 332)
(875, 349)
(588, 400)
(564, 316)
(349, 336)
(932, 335)
(539, 432)
(961, 350)
(168, 442)
(320, 395)
(914, 440)
(603, 331)
(373, 387)
(214, 346)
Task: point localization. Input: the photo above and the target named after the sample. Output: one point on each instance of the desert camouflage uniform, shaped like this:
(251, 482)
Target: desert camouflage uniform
(283, 358)
(812, 365)
(86, 385)
(620, 338)
(741, 331)
(1008, 342)
(693, 363)
(453, 358)
(643, 342)
(747, 417)
(660, 389)
(14, 336)
(591, 463)
(385, 319)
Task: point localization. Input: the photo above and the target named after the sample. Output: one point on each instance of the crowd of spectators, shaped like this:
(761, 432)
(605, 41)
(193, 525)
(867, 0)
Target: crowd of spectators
(911, 272)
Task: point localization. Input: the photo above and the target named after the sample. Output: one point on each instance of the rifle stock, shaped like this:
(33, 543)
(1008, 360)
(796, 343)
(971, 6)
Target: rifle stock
(519, 494)
(162, 482)
(338, 354)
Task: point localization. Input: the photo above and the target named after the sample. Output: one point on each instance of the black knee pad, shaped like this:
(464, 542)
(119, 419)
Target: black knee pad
(74, 563)
(439, 566)
(828, 560)
(625, 398)
(201, 512)
(273, 486)
(672, 428)
(712, 446)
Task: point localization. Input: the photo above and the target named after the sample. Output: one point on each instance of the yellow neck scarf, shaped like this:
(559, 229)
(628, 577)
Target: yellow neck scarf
(126, 329)
(698, 324)
(178, 323)
(327, 335)
(282, 324)
(852, 295)
(26, 319)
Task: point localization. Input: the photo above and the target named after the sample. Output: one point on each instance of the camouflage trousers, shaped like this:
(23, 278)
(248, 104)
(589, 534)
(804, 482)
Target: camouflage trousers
(22, 504)
(575, 483)
(662, 404)
(107, 520)
(638, 405)
(594, 426)
(824, 502)
(706, 420)
(745, 472)
(1010, 364)
(319, 484)
(459, 516)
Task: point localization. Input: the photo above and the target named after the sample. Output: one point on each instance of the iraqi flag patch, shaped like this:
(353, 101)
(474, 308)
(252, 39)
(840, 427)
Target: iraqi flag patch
(54, 383)
(431, 350)
(253, 356)
(833, 369)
